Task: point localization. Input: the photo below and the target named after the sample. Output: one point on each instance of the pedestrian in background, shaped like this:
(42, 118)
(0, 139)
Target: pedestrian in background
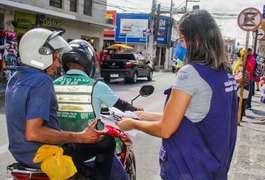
(95, 64)
(252, 61)
(102, 55)
(199, 122)
(258, 72)
(262, 85)
(239, 78)
(240, 55)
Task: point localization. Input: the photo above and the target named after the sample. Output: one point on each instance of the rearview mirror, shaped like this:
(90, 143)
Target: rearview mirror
(146, 90)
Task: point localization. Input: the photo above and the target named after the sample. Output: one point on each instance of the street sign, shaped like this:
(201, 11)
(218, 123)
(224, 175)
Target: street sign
(249, 19)
(147, 32)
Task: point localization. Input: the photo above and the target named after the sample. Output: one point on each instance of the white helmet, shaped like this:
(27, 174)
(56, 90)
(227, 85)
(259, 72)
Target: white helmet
(37, 46)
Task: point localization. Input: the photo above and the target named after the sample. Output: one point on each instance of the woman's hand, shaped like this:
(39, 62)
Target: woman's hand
(148, 116)
(140, 114)
(126, 124)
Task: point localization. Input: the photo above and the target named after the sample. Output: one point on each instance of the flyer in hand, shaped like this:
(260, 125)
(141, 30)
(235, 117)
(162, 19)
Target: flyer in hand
(116, 115)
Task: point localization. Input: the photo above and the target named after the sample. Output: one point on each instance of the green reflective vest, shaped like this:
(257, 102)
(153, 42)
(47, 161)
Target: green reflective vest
(74, 96)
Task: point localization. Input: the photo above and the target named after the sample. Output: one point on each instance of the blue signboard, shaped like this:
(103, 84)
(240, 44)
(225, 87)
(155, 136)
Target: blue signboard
(162, 36)
(130, 27)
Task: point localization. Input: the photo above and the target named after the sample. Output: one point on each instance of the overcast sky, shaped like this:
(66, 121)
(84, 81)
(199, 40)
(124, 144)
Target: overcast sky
(228, 24)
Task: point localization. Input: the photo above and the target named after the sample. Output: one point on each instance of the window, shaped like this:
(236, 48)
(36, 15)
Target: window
(56, 3)
(88, 7)
(73, 5)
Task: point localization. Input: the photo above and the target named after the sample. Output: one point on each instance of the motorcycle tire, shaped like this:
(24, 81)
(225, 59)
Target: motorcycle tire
(131, 166)
(173, 69)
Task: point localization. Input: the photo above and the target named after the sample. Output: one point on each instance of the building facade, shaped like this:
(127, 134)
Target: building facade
(78, 18)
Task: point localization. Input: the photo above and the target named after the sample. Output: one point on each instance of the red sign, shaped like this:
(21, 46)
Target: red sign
(249, 19)
(110, 19)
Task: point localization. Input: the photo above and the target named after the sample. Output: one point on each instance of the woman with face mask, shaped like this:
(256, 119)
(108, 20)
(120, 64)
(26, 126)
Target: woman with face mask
(199, 123)
(180, 55)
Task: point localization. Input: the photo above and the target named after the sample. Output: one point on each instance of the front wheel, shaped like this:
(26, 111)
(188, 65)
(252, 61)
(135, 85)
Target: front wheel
(131, 166)
(150, 76)
(134, 79)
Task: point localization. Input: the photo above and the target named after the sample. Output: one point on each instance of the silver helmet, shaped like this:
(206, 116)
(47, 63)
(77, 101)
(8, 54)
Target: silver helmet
(37, 46)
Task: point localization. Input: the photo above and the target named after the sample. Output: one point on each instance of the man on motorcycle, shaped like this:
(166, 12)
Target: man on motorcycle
(80, 97)
(31, 109)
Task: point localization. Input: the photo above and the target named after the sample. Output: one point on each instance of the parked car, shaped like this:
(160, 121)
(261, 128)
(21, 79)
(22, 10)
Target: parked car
(129, 66)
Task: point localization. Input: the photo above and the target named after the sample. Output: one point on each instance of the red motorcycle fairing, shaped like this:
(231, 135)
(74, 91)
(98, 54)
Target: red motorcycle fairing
(19, 172)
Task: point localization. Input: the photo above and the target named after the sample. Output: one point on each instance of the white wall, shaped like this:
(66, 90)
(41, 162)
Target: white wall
(8, 17)
(74, 30)
(90, 26)
(98, 9)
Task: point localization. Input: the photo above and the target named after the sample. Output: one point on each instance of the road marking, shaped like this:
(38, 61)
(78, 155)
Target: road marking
(3, 149)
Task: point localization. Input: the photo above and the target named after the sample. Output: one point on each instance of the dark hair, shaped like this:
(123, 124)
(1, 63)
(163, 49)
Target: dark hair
(204, 40)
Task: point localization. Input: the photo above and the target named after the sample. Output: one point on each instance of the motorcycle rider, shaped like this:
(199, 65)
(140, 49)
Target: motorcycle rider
(75, 110)
(31, 109)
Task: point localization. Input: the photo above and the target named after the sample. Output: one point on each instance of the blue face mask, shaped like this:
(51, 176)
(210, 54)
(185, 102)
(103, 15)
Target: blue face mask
(180, 52)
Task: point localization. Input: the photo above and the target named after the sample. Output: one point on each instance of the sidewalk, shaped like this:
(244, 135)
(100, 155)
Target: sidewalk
(249, 157)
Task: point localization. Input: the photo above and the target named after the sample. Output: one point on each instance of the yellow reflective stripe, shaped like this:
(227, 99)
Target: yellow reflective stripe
(74, 98)
(77, 88)
(75, 107)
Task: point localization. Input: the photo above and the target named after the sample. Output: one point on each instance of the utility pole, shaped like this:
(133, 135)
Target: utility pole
(255, 42)
(151, 50)
(157, 24)
(170, 25)
(157, 20)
